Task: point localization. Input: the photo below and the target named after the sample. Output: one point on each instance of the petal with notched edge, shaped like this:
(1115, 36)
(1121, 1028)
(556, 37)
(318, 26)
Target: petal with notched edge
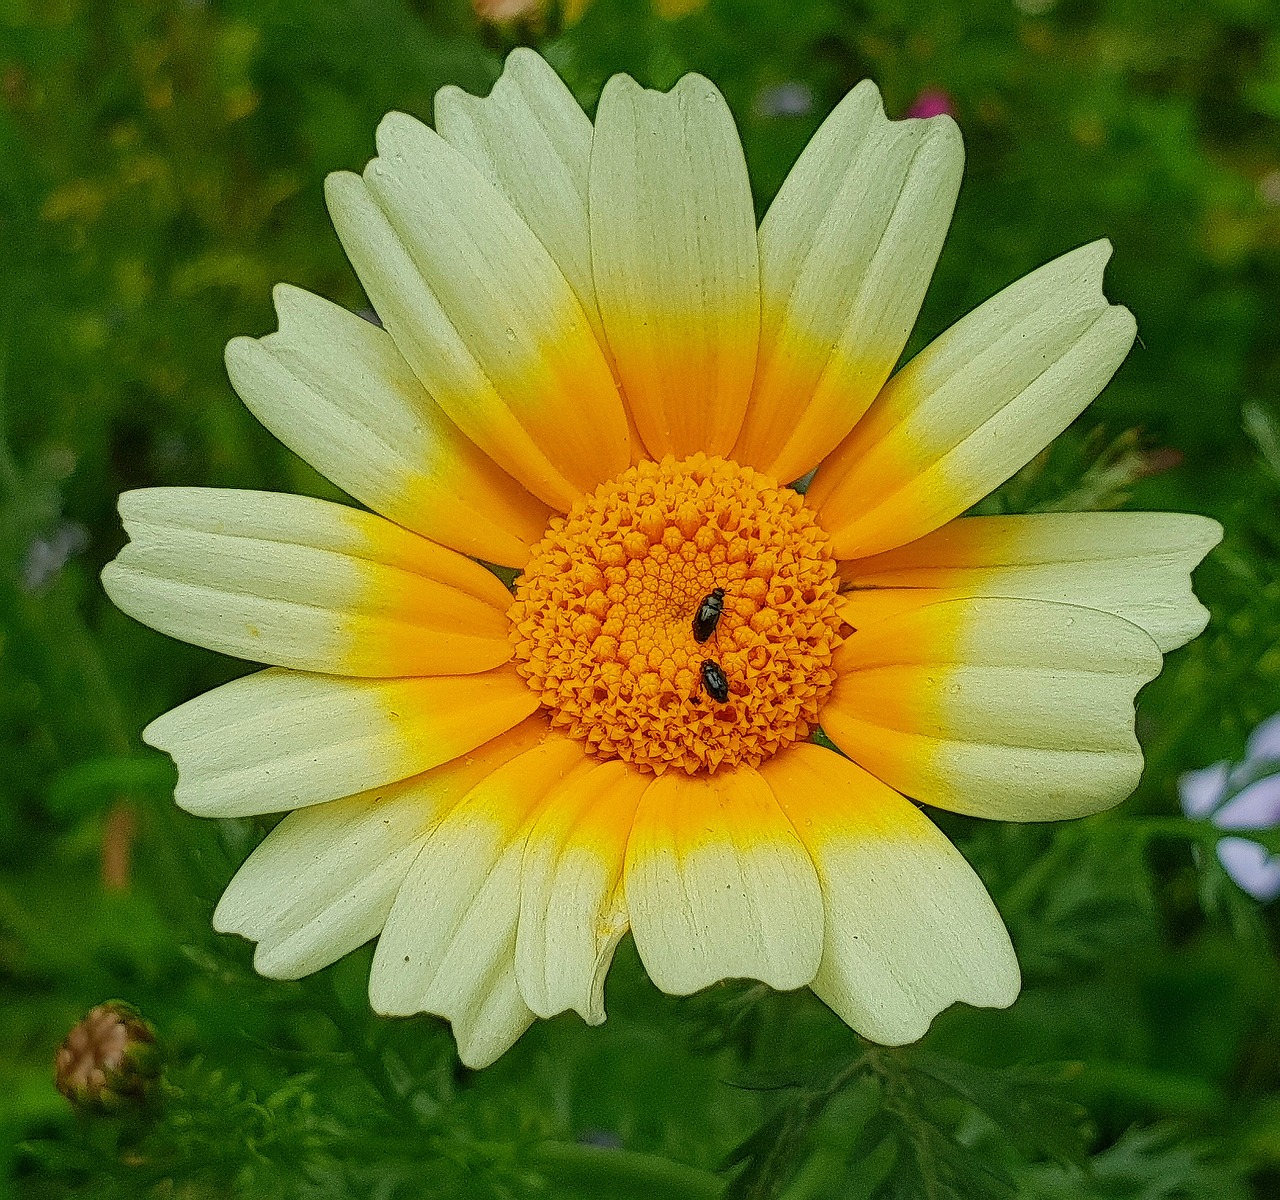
(278, 740)
(449, 943)
(1016, 710)
(974, 406)
(572, 908)
(673, 250)
(303, 583)
(719, 886)
(532, 140)
(846, 252)
(909, 927)
(322, 881)
(334, 388)
(481, 313)
(1135, 565)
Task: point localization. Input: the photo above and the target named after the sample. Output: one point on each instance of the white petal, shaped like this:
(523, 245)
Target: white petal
(1253, 869)
(1011, 709)
(846, 252)
(481, 313)
(719, 886)
(909, 927)
(448, 946)
(532, 141)
(334, 389)
(673, 249)
(303, 583)
(1136, 565)
(572, 909)
(1201, 791)
(1254, 807)
(323, 880)
(1264, 742)
(974, 406)
(278, 740)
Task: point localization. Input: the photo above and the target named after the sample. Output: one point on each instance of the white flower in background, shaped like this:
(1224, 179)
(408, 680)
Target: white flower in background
(1243, 795)
(791, 99)
(47, 555)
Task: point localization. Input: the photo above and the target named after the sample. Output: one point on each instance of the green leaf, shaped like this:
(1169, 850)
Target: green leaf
(1026, 1103)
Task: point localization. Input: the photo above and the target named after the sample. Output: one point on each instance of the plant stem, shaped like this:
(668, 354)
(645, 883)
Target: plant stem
(599, 1171)
(366, 1055)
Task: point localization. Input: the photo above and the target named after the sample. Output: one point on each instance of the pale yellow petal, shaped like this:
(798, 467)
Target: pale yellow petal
(278, 740)
(846, 252)
(974, 406)
(719, 886)
(334, 388)
(1013, 709)
(909, 927)
(673, 249)
(303, 583)
(481, 313)
(1135, 565)
(572, 908)
(532, 141)
(323, 880)
(448, 946)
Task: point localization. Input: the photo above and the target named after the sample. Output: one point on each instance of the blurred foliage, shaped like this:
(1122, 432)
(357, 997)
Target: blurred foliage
(161, 164)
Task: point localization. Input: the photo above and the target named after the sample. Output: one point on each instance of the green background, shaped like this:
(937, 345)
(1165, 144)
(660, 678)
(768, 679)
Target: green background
(161, 167)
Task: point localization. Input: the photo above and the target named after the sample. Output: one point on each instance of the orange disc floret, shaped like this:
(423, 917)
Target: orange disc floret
(603, 617)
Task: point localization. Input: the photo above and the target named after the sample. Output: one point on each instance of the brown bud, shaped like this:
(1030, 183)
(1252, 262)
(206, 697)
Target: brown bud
(507, 12)
(109, 1060)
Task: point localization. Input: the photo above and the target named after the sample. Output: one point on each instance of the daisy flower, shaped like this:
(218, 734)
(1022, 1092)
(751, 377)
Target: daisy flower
(596, 371)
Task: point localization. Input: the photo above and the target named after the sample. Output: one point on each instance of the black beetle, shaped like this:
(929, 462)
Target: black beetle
(713, 679)
(707, 617)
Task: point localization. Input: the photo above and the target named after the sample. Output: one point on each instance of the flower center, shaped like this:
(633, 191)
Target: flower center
(603, 620)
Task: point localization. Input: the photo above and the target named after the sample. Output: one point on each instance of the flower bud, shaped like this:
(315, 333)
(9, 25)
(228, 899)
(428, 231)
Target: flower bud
(932, 102)
(507, 12)
(109, 1061)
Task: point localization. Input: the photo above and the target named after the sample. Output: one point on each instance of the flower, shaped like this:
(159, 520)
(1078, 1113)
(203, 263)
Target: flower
(596, 370)
(932, 102)
(790, 99)
(507, 12)
(109, 1060)
(1243, 795)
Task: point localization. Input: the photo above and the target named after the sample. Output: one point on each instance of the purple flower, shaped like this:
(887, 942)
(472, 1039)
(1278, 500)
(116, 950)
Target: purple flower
(932, 102)
(1264, 742)
(1242, 796)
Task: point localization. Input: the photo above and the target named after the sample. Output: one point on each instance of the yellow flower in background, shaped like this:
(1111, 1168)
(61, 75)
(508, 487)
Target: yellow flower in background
(595, 369)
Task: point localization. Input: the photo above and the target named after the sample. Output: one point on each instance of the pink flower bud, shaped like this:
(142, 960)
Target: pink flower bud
(932, 102)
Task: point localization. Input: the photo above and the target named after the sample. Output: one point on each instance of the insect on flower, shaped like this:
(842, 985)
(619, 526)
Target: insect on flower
(714, 680)
(707, 617)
